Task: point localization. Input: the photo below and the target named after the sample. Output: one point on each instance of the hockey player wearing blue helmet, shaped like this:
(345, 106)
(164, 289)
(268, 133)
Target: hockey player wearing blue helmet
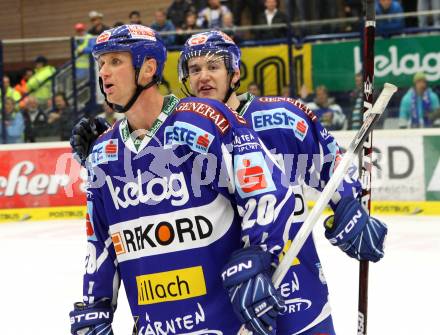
(210, 64)
(175, 189)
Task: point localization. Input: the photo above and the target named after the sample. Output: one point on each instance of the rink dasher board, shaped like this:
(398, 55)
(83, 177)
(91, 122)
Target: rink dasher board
(406, 177)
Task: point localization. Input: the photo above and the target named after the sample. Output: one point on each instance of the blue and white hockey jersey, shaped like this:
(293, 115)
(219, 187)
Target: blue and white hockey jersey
(166, 212)
(308, 154)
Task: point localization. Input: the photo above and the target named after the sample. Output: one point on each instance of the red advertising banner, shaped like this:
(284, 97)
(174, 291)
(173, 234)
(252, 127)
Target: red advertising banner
(40, 175)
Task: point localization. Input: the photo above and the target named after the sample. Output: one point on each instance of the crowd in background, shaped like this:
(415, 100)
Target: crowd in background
(33, 113)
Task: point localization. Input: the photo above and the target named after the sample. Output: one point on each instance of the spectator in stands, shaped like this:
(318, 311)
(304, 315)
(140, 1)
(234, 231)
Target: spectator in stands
(62, 117)
(254, 89)
(253, 6)
(84, 44)
(423, 5)
(21, 87)
(354, 113)
(35, 120)
(134, 17)
(40, 84)
(389, 26)
(177, 12)
(14, 122)
(211, 17)
(199, 5)
(187, 28)
(420, 106)
(271, 15)
(352, 8)
(161, 25)
(97, 24)
(110, 115)
(329, 113)
(11, 92)
(230, 28)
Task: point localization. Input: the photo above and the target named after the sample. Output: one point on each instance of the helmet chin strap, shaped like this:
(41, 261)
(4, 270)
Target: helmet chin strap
(231, 88)
(185, 88)
(139, 89)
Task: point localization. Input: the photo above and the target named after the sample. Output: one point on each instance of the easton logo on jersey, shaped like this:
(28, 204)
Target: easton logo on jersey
(252, 176)
(184, 133)
(171, 285)
(103, 152)
(280, 118)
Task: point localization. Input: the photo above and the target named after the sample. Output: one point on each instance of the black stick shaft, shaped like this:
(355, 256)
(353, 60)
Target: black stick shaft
(366, 157)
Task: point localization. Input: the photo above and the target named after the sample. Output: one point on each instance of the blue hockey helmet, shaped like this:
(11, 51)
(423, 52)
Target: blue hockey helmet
(140, 41)
(215, 43)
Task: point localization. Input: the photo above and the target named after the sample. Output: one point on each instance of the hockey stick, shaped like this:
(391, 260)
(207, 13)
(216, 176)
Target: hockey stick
(330, 188)
(365, 158)
(333, 183)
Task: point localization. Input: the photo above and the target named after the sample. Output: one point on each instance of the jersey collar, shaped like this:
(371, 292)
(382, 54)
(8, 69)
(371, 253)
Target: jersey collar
(136, 144)
(245, 100)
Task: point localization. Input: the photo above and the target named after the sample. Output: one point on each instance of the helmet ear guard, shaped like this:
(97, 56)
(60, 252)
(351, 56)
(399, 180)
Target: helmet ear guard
(142, 43)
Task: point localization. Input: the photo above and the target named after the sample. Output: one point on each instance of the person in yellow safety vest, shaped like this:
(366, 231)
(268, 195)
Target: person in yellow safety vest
(84, 45)
(37, 84)
(10, 91)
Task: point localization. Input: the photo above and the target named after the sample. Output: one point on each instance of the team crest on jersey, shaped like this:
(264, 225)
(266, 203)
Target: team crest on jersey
(103, 152)
(280, 118)
(252, 175)
(184, 133)
(89, 222)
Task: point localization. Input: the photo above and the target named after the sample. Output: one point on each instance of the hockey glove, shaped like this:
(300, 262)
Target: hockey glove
(84, 133)
(92, 319)
(355, 232)
(256, 302)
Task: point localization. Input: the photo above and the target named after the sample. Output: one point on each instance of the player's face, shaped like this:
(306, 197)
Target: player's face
(208, 77)
(117, 73)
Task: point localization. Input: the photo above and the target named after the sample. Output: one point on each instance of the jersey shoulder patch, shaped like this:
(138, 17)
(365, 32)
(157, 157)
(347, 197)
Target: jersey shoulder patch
(216, 112)
(289, 103)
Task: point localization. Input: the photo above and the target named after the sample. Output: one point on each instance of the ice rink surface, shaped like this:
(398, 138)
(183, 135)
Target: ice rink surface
(42, 264)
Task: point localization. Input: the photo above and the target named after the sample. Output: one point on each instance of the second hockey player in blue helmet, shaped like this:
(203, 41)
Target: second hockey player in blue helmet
(209, 66)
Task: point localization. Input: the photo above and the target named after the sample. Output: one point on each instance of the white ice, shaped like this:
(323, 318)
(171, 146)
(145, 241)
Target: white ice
(41, 266)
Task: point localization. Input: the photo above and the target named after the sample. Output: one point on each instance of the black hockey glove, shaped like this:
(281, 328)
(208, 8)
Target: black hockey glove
(84, 133)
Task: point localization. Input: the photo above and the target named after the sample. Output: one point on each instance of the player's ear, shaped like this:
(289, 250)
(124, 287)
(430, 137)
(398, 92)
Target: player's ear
(147, 71)
(235, 77)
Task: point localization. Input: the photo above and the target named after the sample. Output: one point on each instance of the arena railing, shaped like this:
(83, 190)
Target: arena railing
(84, 95)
